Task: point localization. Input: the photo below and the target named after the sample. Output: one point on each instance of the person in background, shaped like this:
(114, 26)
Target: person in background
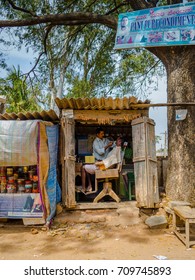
(101, 148)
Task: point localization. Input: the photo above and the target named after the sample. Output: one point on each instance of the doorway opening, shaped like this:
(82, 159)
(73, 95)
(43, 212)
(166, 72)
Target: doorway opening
(124, 185)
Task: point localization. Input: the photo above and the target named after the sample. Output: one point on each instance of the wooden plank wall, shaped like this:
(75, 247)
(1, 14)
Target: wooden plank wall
(68, 167)
(145, 163)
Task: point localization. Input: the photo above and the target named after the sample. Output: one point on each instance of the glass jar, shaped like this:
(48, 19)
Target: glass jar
(25, 169)
(35, 188)
(2, 171)
(3, 185)
(11, 186)
(28, 186)
(10, 171)
(21, 187)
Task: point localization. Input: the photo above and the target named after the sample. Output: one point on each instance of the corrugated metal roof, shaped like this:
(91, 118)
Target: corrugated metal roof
(102, 103)
(43, 115)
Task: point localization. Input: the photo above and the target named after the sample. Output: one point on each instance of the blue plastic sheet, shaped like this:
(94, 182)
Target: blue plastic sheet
(53, 188)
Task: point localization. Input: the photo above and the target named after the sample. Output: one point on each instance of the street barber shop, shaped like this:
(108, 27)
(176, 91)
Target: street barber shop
(134, 177)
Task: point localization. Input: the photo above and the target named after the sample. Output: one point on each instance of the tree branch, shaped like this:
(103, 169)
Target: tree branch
(64, 19)
(48, 29)
(124, 3)
(20, 9)
(32, 70)
(142, 4)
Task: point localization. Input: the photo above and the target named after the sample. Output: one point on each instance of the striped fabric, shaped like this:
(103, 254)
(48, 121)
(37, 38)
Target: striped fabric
(18, 142)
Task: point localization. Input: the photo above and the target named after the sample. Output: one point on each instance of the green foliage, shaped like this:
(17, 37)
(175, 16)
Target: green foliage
(18, 96)
(83, 54)
(128, 155)
(158, 138)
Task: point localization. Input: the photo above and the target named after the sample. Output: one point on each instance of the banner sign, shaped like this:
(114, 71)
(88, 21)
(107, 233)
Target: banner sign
(162, 26)
(24, 205)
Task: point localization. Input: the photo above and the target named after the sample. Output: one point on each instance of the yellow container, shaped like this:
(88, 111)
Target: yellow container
(89, 159)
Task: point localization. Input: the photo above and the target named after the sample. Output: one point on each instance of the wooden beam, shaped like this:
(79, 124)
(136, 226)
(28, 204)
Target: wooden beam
(108, 116)
(95, 206)
(162, 105)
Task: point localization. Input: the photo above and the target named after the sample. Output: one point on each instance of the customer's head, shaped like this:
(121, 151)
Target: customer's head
(100, 132)
(119, 141)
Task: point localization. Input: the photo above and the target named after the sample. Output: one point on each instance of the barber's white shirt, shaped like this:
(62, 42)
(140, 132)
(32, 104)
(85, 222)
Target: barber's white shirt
(99, 151)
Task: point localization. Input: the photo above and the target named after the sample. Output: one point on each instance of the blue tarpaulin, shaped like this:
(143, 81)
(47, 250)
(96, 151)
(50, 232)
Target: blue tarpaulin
(53, 188)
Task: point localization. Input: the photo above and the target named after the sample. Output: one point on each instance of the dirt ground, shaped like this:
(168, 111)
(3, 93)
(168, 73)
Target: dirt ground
(117, 234)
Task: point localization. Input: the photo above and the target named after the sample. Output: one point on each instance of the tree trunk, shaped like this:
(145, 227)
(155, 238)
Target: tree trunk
(180, 66)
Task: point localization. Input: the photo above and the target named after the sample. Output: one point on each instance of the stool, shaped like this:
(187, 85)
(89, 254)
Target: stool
(107, 190)
(186, 215)
(131, 183)
(106, 175)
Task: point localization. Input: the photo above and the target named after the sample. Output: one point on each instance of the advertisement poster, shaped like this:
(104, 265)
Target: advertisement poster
(162, 26)
(24, 205)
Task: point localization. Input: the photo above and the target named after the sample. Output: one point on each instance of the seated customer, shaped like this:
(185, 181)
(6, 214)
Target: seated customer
(113, 157)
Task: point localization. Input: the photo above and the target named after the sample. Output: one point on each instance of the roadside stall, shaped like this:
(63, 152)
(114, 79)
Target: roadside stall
(79, 119)
(29, 188)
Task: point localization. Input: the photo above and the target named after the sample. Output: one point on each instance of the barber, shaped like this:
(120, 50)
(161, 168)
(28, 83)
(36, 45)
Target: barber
(101, 148)
(101, 145)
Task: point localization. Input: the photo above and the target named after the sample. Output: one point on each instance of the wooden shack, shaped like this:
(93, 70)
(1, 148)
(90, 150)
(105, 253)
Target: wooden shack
(29, 188)
(79, 119)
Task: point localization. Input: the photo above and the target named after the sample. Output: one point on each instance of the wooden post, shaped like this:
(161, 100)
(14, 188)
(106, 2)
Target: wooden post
(68, 164)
